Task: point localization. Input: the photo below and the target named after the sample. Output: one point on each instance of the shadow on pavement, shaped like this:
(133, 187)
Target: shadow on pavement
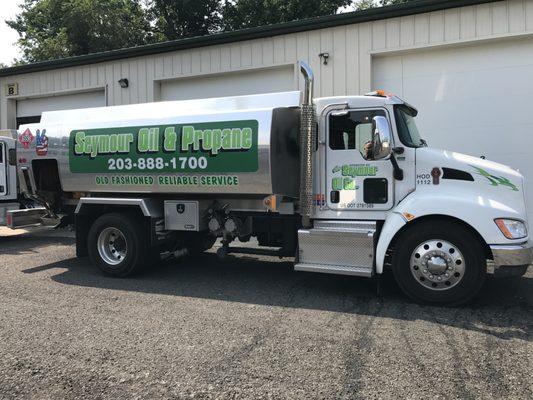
(503, 308)
(30, 242)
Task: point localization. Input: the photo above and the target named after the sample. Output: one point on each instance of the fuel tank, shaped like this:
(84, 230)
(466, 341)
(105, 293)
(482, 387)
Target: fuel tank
(244, 145)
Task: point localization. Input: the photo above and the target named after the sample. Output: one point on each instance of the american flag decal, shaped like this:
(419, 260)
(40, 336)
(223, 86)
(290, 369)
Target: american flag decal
(41, 143)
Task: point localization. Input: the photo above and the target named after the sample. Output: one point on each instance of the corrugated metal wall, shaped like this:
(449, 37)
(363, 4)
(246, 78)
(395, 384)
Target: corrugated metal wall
(351, 49)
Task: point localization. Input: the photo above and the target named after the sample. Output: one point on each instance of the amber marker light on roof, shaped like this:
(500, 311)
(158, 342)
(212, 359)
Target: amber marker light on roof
(378, 93)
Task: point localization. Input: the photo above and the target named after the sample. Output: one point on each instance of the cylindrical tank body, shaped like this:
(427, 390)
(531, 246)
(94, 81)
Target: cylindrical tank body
(245, 145)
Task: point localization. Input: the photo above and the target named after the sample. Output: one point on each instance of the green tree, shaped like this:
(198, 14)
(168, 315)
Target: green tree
(364, 4)
(391, 2)
(240, 14)
(51, 29)
(173, 19)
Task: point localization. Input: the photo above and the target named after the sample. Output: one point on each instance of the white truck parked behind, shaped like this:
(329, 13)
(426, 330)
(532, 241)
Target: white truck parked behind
(345, 185)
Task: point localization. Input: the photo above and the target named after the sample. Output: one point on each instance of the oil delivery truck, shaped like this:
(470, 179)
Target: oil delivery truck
(345, 185)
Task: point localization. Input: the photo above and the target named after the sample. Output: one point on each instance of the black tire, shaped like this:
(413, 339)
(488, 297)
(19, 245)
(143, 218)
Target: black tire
(134, 235)
(468, 245)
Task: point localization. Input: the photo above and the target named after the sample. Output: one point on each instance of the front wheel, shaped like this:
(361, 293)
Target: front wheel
(439, 262)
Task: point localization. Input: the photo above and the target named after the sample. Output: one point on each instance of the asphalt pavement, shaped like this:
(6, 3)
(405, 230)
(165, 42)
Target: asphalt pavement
(246, 328)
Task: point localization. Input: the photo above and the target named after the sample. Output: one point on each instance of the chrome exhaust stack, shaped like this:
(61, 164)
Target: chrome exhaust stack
(307, 143)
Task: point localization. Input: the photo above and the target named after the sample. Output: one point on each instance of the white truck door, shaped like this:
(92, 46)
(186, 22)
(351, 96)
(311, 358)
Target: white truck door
(3, 168)
(354, 181)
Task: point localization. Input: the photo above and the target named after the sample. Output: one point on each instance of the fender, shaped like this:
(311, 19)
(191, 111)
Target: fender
(149, 207)
(394, 222)
(475, 209)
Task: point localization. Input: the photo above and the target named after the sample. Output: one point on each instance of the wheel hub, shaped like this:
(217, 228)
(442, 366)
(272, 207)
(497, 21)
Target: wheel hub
(112, 246)
(437, 264)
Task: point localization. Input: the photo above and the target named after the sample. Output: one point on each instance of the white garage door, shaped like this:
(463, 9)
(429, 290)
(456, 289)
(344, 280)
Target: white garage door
(473, 99)
(36, 106)
(230, 84)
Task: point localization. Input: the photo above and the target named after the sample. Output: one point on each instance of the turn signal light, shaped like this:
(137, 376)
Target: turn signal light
(511, 228)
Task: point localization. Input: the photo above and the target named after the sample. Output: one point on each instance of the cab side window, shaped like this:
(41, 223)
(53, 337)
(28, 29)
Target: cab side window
(352, 130)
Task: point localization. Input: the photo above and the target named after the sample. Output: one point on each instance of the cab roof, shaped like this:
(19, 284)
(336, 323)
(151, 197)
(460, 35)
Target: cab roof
(373, 99)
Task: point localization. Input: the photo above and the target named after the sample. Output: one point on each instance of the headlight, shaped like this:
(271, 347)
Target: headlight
(511, 228)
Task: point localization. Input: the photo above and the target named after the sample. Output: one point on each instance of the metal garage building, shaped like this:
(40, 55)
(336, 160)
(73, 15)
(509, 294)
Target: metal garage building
(466, 64)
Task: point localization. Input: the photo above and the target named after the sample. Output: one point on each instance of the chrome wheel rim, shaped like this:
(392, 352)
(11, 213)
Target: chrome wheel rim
(437, 265)
(112, 246)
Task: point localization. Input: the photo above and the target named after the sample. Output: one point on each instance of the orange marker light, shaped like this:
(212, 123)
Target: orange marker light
(271, 202)
(379, 93)
(408, 216)
(503, 228)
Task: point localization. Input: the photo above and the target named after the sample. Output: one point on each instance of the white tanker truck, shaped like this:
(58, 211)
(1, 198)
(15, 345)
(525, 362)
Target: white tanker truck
(345, 185)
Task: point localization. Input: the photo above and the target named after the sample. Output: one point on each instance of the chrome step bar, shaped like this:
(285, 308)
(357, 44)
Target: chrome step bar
(337, 247)
(334, 269)
(25, 218)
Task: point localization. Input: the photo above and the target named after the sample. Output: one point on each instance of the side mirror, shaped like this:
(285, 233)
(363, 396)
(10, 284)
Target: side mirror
(381, 138)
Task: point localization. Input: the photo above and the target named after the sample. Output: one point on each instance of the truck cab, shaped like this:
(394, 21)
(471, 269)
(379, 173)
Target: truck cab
(8, 174)
(18, 209)
(419, 210)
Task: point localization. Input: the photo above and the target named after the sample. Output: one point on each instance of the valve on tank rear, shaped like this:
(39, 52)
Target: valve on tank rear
(222, 223)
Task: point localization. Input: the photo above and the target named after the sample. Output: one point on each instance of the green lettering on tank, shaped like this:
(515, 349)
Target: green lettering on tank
(246, 138)
(79, 142)
(187, 137)
(148, 140)
(170, 139)
(103, 145)
(216, 140)
(94, 145)
(224, 146)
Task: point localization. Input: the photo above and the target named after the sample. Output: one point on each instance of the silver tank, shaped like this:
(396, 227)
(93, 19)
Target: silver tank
(244, 145)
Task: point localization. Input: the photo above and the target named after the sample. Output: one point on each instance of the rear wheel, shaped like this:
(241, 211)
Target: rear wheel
(439, 262)
(118, 244)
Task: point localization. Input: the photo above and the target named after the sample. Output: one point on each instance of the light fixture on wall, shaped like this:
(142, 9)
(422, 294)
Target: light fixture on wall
(124, 83)
(324, 57)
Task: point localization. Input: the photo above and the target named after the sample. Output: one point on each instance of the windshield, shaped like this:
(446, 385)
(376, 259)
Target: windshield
(407, 129)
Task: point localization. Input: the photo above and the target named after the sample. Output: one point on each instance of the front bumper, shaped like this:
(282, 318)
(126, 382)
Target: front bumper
(511, 260)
